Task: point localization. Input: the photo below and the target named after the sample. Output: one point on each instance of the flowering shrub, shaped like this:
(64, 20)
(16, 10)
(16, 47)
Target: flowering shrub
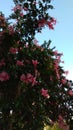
(33, 87)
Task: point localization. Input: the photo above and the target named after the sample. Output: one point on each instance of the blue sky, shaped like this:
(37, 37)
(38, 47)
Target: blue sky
(61, 36)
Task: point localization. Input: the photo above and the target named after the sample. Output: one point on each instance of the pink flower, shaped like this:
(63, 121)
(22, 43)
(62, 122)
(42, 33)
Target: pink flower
(23, 78)
(41, 23)
(29, 78)
(44, 92)
(35, 62)
(56, 52)
(4, 76)
(70, 92)
(17, 7)
(34, 82)
(51, 23)
(13, 50)
(19, 63)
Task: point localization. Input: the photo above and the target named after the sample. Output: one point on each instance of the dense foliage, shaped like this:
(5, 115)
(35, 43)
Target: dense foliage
(33, 87)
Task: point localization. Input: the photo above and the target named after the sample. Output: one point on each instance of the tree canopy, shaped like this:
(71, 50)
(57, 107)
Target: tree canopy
(33, 87)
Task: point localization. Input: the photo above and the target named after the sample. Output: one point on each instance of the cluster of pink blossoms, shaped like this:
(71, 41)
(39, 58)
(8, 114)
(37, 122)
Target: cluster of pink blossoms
(28, 78)
(17, 7)
(35, 63)
(50, 23)
(4, 76)
(19, 63)
(13, 50)
(44, 92)
(20, 9)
